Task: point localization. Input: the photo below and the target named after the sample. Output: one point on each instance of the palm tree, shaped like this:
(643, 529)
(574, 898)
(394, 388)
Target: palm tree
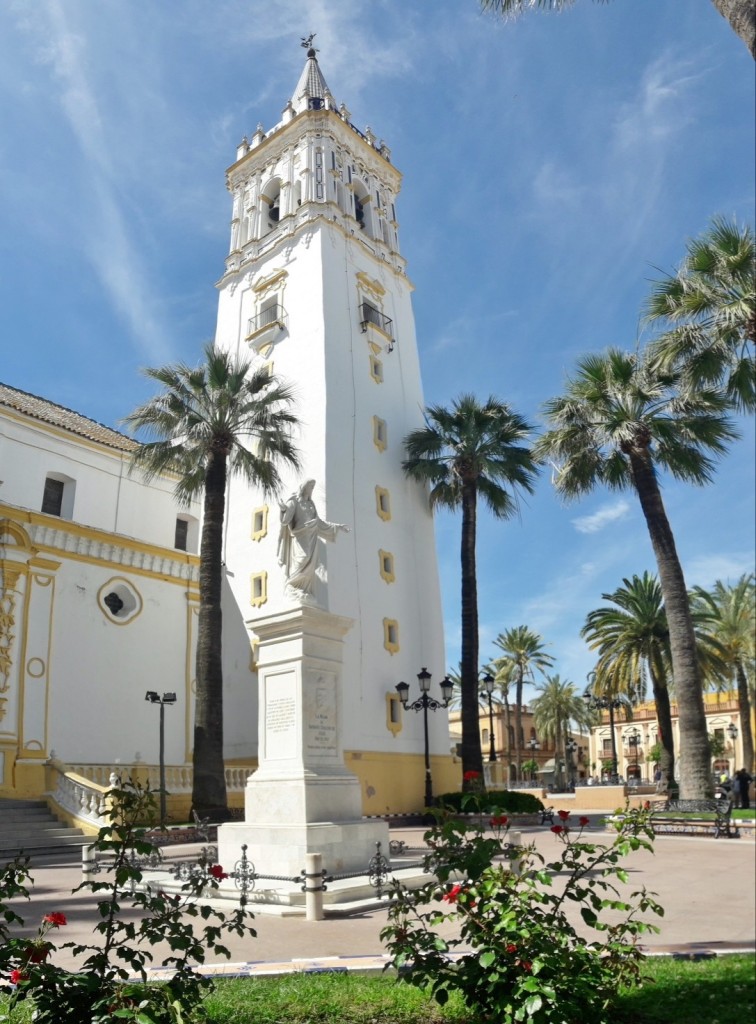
(207, 422)
(741, 14)
(709, 306)
(621, 420)
(464, 452)
(731, 613)
(558, 703)
(525, 649)
(632, 640)
(504, 672)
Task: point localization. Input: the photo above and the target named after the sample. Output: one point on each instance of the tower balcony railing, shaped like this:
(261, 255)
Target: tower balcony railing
(373, 317)
(269, 318)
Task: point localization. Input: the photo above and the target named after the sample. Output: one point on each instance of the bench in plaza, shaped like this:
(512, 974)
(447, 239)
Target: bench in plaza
(695, 816)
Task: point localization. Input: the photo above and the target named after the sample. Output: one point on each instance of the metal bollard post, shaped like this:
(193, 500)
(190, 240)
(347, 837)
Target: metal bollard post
(88, 862)
(515, 863)
(314, 887)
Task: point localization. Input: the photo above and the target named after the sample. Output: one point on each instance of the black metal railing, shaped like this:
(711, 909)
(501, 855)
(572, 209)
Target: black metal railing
(270, 316)
(371, 315)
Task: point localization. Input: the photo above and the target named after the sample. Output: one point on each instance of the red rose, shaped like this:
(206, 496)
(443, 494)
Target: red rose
(499, 820)
(564, 815)
(557, 828)
(583, 821)
(526, 965)
(470, 776)
(55, 919)
(16, 977)
(511, 948)
(452, 895)
(217, 872)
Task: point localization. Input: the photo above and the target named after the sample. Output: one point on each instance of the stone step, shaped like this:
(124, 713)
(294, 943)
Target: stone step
(28, 826)
(52, 828)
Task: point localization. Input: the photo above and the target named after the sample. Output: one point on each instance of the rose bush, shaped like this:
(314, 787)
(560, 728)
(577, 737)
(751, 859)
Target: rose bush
(516, 954)
(111, 981)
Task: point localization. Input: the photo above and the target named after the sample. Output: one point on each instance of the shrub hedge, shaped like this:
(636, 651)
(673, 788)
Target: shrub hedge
(496, 801)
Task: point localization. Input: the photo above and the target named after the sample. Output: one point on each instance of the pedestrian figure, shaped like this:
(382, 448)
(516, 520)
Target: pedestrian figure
(742, 783)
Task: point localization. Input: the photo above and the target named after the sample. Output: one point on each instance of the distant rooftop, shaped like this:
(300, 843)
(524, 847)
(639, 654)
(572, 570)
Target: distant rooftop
(66, 419)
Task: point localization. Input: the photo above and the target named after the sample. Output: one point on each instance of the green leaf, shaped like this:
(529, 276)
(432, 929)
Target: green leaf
(533, 1004)
(487, 958)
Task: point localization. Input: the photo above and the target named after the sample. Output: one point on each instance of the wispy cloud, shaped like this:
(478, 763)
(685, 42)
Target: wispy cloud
(705, 570)
(602, 517)
(104, 226)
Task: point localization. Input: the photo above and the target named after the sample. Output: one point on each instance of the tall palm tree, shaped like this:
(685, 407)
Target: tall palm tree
(741, 14)
(731, 613)
(526, 650)
(622, 420)
(632, 641)
(218, 418)
(709, 307)
(558, 703)
(504, 672)
(469, 451)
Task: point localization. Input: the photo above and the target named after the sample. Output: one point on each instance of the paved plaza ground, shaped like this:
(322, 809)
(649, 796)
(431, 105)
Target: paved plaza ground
(707, 887)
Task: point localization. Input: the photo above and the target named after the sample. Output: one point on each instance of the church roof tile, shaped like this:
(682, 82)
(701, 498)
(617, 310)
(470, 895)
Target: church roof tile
(66, 419)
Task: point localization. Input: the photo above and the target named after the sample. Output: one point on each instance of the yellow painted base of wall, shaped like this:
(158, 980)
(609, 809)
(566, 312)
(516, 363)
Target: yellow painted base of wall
(395, 783)
(390, 783)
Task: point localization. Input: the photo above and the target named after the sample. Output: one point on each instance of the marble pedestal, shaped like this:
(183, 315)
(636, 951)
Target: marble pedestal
(301, 799)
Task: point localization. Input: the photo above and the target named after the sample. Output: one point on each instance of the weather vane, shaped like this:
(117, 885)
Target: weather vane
(307, 42)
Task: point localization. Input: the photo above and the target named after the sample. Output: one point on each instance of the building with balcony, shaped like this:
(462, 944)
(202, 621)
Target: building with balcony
(635, 738)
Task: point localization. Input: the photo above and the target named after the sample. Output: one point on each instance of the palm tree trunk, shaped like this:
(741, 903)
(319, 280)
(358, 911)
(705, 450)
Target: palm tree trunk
(744, 702)
(666, 736)
(209, 785)
(741, 15)
(508, 725)
(518, 722)
(695, 756)
(472, 757)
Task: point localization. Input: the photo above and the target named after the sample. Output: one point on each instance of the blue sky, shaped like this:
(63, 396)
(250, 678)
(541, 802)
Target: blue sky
(550, 165)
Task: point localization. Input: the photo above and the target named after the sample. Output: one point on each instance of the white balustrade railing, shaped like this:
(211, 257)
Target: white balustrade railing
(178, 778)
(79, 796)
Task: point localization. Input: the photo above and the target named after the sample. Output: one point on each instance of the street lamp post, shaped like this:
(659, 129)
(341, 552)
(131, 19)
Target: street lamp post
(609, 704)
(167, 698)
(488, 682)
(426, 703)
(633, 740)
(732, 732)
(534, 745)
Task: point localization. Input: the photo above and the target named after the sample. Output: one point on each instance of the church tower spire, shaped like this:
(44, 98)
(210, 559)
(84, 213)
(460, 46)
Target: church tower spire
(316, 289)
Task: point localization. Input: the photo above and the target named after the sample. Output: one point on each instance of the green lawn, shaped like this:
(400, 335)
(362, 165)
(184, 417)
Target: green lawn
(717, 991)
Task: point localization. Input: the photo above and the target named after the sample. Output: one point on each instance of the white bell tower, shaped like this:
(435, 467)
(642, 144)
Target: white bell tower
(315, 288)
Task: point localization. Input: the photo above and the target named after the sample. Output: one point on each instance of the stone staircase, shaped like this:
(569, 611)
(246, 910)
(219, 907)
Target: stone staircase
(28, 826)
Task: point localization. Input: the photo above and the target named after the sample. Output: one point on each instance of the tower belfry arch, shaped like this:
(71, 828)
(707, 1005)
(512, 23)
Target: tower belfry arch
(319, 293)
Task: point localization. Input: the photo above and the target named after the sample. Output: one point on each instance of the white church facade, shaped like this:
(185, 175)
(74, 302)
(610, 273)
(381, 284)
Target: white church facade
(99, 568)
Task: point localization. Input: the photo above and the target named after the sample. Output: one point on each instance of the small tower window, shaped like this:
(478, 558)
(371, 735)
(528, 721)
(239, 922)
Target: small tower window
(393, 713)
(383, 503)
(386, 563)
(260, 522)
(391, 635)
(259, 589)
(380, 434)
(376, 369)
